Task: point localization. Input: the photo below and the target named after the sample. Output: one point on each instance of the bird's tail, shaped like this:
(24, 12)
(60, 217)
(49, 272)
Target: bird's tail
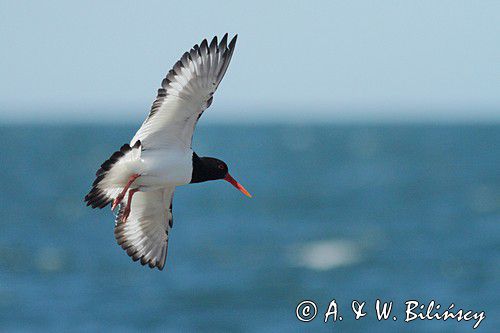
(113, 175)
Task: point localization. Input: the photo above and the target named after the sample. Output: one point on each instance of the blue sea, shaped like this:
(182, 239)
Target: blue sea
(340, 212)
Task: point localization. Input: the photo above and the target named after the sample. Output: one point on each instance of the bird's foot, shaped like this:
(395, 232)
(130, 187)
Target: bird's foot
(120, 196)
(126, 213)
(117, 201)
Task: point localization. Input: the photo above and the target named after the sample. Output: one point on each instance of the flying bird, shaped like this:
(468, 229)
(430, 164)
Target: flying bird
(139, 179)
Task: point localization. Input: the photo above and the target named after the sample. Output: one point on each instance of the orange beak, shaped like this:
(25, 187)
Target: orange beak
(240, 187)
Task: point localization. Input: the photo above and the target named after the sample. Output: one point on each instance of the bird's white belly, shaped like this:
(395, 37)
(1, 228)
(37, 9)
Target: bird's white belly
(166, 167)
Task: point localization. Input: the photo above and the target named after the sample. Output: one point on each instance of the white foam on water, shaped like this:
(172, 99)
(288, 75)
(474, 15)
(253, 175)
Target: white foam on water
(325, 255)
(49, 259)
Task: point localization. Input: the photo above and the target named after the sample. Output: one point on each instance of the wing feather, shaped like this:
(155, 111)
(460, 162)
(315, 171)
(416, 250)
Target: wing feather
(185, 93)
(144, 236)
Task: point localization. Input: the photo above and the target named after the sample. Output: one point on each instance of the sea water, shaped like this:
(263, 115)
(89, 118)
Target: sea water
(339, 212)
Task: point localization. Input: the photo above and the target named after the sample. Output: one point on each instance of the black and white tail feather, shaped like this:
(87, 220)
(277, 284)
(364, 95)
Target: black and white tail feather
(113, 175)
(185, 93)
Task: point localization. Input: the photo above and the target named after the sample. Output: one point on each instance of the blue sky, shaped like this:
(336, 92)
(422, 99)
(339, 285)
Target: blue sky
(336, 60)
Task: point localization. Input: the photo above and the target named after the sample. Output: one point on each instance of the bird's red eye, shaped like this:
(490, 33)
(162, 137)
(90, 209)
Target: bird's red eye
(221, 166)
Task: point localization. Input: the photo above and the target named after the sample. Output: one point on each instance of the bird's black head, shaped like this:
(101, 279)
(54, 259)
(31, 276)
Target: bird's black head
(209, 168)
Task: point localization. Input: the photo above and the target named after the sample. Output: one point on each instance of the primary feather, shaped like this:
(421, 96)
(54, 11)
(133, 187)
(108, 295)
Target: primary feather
(185, 93)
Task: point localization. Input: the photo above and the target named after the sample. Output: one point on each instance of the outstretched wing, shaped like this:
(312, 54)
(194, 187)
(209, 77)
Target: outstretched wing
(145, 233)
(184, 94)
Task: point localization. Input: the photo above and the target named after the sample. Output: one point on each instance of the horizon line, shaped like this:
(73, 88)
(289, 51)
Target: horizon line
(245, 114)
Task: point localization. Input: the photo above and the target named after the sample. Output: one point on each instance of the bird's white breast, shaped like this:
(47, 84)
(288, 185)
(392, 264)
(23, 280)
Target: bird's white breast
(172, 167)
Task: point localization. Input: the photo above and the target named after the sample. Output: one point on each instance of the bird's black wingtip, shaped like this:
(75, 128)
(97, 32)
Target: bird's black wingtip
(232, 43)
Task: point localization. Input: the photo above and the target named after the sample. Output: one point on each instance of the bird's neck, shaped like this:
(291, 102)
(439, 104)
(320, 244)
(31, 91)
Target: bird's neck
(200, 172)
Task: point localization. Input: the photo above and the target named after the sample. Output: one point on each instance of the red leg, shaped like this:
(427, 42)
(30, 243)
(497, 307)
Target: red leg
(119, 198)
(126, 212)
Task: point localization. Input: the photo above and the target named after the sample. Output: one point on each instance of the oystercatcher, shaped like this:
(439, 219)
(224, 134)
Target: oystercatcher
(140, 178)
